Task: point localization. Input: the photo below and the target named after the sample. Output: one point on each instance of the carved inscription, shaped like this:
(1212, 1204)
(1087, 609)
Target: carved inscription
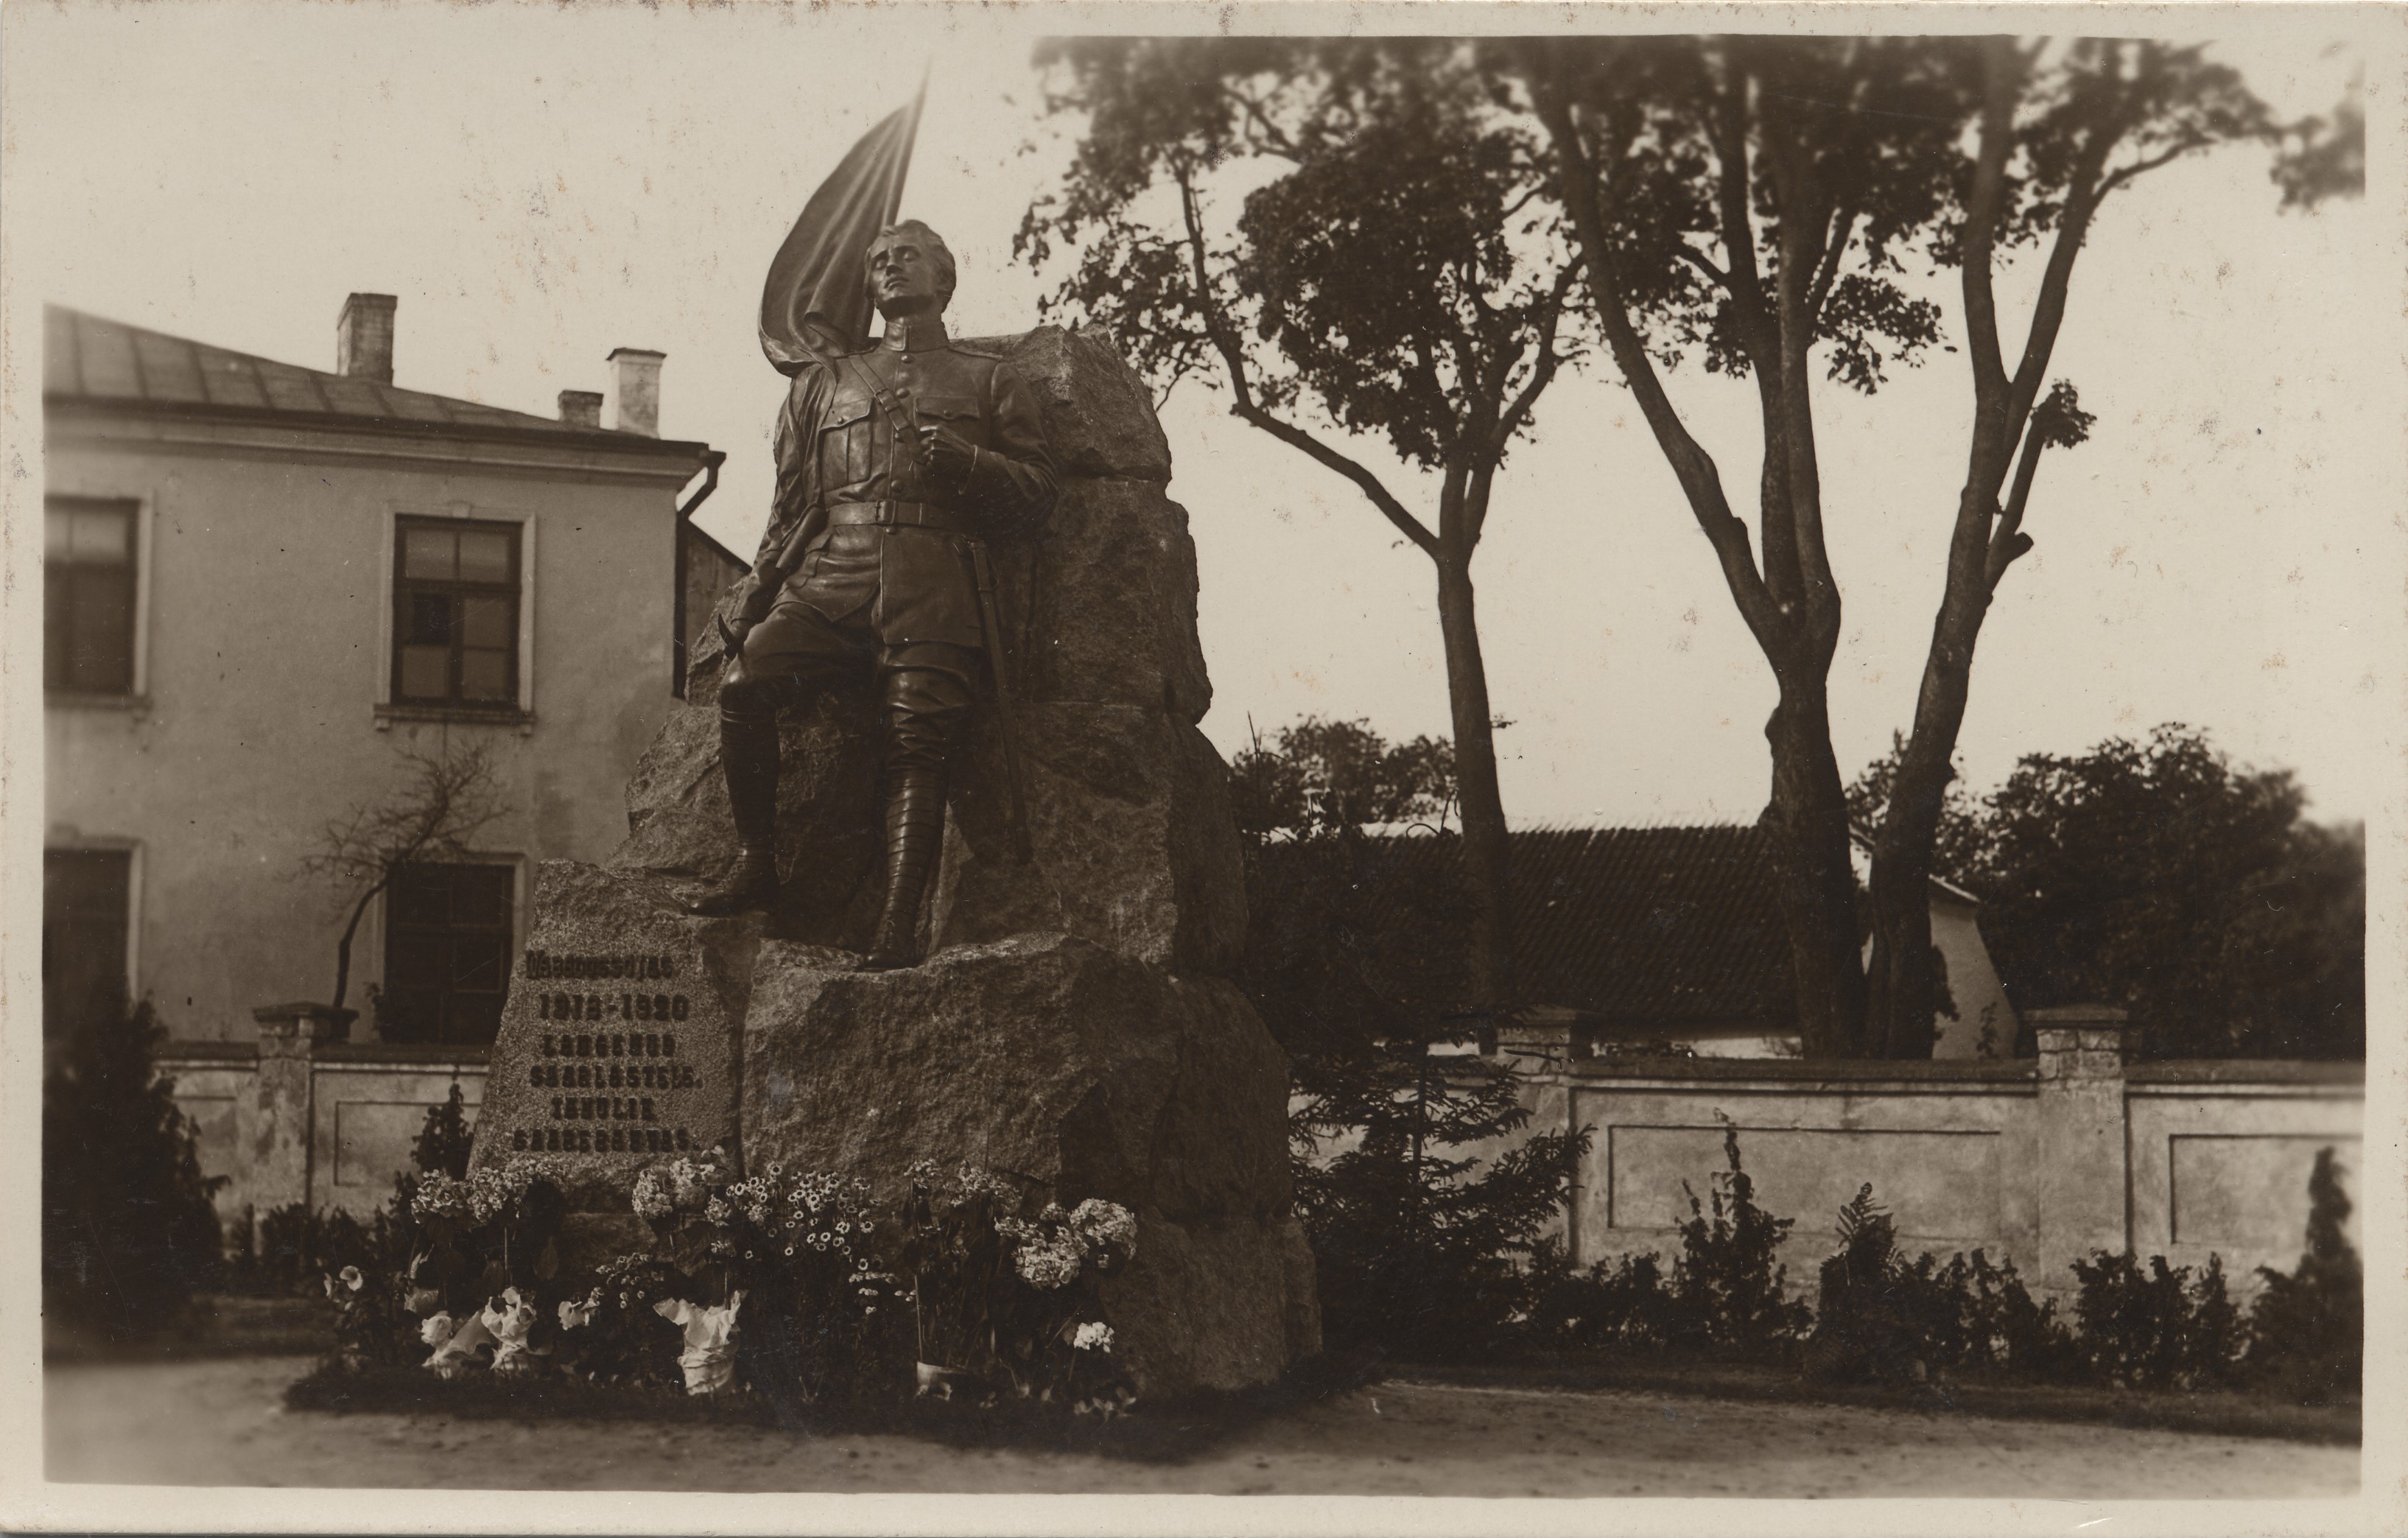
(639, 1087)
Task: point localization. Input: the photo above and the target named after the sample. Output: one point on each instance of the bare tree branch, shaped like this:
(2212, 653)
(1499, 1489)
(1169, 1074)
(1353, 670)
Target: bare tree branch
(1701, 481)
(1242, 395)
(432, 820)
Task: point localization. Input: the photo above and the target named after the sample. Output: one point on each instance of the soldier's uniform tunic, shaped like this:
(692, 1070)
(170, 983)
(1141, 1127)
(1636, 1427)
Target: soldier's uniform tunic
(866, 561)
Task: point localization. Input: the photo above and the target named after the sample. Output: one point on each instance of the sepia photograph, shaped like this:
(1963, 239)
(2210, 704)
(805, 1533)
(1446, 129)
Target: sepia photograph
(1603, 769)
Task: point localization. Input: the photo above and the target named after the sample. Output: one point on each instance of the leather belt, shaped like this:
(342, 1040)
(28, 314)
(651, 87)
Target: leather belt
(902, 514)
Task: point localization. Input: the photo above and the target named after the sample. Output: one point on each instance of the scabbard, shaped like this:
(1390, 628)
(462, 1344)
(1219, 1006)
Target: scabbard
(991, 621)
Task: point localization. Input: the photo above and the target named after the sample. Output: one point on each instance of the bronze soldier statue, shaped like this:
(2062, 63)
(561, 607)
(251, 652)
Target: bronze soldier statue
(892, 464)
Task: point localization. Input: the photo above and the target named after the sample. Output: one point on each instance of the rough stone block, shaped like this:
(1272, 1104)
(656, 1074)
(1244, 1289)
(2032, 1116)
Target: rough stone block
(1098, 416)
(620, 1042)
(680, 827)
(1131, 835)
(1081, 1073)
(1111, 609)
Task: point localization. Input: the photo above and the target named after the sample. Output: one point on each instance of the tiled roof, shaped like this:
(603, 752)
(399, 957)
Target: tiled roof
(1651, 924)
(1643, 926)
(86, 358)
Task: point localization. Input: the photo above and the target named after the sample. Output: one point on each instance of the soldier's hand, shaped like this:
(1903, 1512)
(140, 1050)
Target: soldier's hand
(731, 637)
(950, 455)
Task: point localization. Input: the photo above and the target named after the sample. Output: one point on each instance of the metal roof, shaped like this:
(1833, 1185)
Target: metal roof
(86, 358)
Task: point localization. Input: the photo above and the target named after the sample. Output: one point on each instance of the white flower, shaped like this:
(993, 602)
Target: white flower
(650, 1197)
(1101, 1223)
(351, 1278)
(435, 1329)
(574, 1315)
(1093, 1337)
(1047, 1267)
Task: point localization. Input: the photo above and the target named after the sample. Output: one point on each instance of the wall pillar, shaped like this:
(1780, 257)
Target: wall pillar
(273, 1117)
(2084, 1179)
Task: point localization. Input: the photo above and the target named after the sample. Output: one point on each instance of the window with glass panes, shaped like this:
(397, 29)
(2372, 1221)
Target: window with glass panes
(455, 613)
(88, 595)
(447, 953)
(86, 911)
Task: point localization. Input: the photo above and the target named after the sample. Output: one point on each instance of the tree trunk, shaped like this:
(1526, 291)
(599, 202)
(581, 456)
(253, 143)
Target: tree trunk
(1486, 858)
(343, 946)
(1808, 816)
(1904, 991)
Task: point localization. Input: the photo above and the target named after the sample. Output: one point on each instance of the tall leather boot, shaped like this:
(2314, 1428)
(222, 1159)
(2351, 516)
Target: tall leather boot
(915, 835)
(748, 754)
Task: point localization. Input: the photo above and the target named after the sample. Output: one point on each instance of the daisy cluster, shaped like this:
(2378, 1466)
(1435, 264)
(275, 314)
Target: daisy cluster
(812, 1210)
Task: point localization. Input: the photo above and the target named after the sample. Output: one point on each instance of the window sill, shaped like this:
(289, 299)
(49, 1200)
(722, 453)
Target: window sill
(77, 699)
(469, 715)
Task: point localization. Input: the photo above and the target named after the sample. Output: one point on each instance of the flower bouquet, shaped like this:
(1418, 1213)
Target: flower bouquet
(1001, 1298)
(491, 1232)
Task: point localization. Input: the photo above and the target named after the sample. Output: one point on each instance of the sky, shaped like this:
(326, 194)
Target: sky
(540, 185)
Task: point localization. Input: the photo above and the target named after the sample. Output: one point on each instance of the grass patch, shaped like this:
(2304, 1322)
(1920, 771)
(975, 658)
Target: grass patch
(1163, 1430)
(2215, 1414)
(219, 1325)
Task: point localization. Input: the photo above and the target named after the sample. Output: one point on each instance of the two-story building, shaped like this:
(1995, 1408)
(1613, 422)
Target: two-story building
(265, 587)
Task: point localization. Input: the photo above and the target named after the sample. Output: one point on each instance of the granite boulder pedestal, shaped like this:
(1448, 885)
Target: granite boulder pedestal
(1074, 1026)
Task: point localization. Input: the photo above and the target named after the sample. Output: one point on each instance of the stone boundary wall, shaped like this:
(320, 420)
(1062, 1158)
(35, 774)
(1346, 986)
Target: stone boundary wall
(2038, 1162)
(291, 1118)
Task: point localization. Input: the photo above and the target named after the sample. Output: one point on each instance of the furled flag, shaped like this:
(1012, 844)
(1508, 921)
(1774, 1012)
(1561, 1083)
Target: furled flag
(816, 304)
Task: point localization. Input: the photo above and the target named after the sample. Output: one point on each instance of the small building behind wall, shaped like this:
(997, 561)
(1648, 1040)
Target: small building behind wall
(267, 586)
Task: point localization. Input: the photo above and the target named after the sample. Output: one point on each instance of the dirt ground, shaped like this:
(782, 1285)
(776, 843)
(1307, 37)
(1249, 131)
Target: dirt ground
(222, 1422)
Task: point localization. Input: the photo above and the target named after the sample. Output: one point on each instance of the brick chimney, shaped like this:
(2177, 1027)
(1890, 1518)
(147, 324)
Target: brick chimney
(582, 407)
(364, 337)
(639, 390)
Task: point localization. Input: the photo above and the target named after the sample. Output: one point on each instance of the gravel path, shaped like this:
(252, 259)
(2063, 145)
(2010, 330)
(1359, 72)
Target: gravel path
(221, 1423)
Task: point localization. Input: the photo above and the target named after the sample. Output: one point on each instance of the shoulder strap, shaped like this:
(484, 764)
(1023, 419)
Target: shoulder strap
(896, 418)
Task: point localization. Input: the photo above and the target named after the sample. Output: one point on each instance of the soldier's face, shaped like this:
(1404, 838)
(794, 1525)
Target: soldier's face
(903, 277)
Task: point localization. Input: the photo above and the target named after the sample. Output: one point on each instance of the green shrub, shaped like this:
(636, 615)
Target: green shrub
(2308, 1330)
(1882, 1317)
(1621, 1305)
(1728, 1293)
(2157, 1328)
(129, 1233)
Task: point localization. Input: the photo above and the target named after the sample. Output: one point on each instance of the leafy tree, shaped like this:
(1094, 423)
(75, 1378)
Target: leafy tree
(2157, 876)
(1395, 275)
(1746, 201)
(2061, 129)
(1326, 777)
(128, 1230)
(1353, 941)
(432, 819)
(1419, 1226)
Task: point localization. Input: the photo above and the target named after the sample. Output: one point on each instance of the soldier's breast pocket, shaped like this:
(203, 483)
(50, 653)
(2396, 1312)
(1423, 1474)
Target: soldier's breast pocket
(959, 413)
(845, 443)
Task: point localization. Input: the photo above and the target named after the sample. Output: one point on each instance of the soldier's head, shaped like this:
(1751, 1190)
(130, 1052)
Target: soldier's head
(909, 270)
